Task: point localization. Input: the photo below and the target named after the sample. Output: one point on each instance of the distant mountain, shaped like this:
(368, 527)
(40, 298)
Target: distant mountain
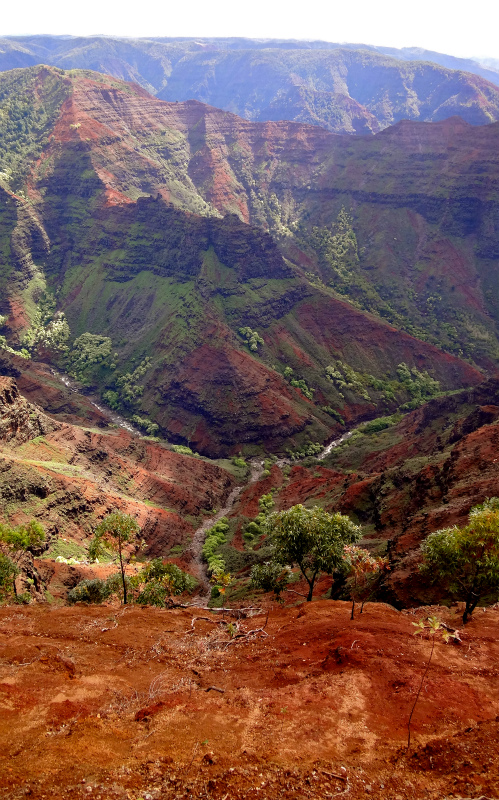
(344, 88)
(181, 231)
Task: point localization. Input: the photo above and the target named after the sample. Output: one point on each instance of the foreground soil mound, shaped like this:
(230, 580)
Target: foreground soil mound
(146, 703)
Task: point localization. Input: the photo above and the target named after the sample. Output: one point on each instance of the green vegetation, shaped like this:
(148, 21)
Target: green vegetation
(151, 428)
(270, 577)
(8, 573)
(311, 539)
(215, 536)
(49, 331)
(466, 560)
(419, 385)
(333, 413)
(255, 529)
(117, 530)
(184, 450)
(309, 449)
(14, 543)
(65, 549)
(251, 338)
(128, 387)
(344, 377)
(299, 383)
(158, 582)
(364, 572)
(30, 100)
(94, 590)
(89, 351)
(338, 246)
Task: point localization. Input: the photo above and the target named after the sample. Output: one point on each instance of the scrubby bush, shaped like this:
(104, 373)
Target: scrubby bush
(251, 338)
(91, 591)
(465, 561)
(270, 577)
(158, 582)
(215, 537)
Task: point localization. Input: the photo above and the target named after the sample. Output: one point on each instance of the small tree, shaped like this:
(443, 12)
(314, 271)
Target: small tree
(8, 574)
(116, 530)
(364, 571)
(310, 538)
(158, 582)
(431, 629)
(271, 577)
(17, 541)
(466, 560)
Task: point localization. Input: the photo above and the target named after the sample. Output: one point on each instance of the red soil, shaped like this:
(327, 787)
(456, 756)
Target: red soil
(116, 703)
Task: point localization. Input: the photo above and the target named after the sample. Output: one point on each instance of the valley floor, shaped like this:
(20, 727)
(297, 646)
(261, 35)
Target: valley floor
(114, 702)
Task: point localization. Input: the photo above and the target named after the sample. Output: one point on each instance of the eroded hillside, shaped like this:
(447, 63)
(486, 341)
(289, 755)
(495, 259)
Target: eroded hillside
(352, 244)
(143, 702)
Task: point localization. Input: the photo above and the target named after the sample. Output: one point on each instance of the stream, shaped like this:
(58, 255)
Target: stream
(256, 470)
(107, 412)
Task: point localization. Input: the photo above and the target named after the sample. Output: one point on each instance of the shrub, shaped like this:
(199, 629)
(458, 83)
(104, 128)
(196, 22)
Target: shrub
(312, 539)
(91, 591)
(215, 537)
(251, 338)
(466, 560)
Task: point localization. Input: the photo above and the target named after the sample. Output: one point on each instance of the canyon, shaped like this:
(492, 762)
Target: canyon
(199, 310)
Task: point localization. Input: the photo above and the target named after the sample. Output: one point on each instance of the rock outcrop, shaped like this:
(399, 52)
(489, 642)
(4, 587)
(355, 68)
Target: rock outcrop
(20, 421)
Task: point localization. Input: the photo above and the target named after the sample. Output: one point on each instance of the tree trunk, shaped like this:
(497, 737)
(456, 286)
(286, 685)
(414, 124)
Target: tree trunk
(353, 609)
(123, 579)
(470, 606)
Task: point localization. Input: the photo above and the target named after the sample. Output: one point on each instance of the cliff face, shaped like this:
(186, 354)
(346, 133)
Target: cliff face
(156, 224)
(417, 475)
(345, 88)
(69, 476)
(20, 421)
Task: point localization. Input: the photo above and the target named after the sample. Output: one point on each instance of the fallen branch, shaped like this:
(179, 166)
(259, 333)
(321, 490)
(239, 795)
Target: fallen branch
(215, 689)
(334, 775)
(293, 591)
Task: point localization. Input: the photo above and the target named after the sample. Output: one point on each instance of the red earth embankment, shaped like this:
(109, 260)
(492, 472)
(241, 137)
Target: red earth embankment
(112, 702)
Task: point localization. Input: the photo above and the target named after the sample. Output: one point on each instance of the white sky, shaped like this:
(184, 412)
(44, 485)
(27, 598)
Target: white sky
(447, 26)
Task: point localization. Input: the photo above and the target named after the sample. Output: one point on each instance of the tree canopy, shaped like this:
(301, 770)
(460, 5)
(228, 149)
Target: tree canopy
(466, 560)
(116, 529)
(311, 539)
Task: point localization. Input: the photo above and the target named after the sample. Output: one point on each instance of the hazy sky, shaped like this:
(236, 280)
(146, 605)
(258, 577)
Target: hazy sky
(442, 25)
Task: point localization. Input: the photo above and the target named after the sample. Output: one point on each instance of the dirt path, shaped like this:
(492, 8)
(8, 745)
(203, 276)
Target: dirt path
(199, 565)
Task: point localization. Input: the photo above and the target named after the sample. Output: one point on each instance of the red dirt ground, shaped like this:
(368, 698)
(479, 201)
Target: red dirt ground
(133, 703)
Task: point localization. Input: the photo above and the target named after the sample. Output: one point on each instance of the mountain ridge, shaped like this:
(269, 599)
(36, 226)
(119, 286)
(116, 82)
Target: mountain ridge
(337, 86)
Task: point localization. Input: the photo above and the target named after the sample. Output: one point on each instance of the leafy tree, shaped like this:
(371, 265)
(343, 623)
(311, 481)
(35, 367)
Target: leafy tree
(310, 538)
(364, 571)
(8, 574)
(157, 582)
(89, 350)
(116, 529)
(271, 577)
(466, 560)
(251, 338)
(16, 541)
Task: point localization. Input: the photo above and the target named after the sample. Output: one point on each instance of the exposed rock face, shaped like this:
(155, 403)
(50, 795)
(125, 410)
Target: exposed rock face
(72, 477)
(346, 88)
(422, 474)
(20, 421)
(179, 287)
